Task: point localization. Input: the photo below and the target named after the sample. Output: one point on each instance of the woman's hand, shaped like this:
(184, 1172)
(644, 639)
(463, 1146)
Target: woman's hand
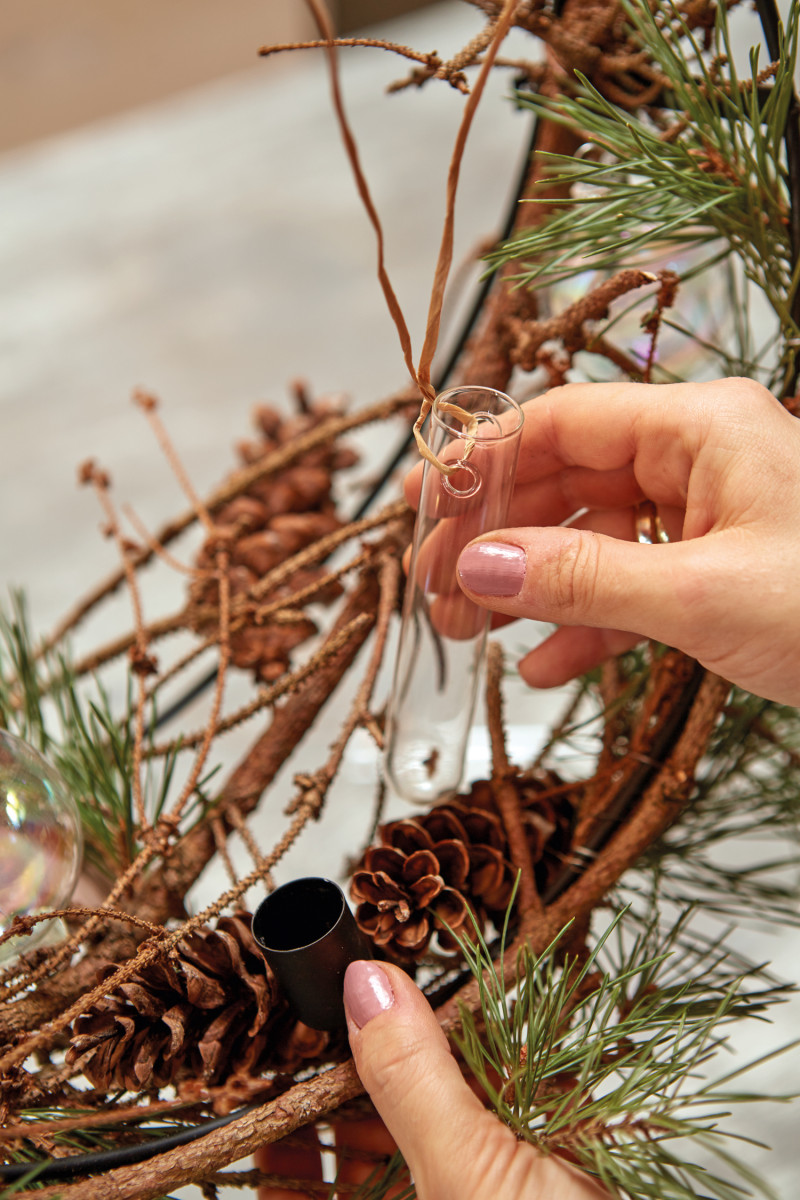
(722, 463)
(456, 1149)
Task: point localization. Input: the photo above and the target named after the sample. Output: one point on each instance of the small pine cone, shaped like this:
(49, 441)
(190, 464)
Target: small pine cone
(426, 875)
(244, 514)
(207, 1012)
(548, 819)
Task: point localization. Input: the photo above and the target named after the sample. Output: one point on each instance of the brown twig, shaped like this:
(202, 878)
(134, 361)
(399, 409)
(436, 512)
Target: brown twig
(505, 793)
(242, 605)
(299, 1106)
(127, 1113)
(240, 825)
(322, 17)
(315, 787)
(569, 327)
(141, 662)
(263, 760)
(270, 464)
(267, 696)
(431, 61)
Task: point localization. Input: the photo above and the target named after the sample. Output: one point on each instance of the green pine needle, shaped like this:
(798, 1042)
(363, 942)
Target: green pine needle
(712, 171)
(606, 1059)
(75, 727)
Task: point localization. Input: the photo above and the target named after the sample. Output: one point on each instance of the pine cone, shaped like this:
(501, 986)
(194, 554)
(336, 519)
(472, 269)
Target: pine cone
(210, 1011)
(429, 871)
(426, 875)
(274, 519)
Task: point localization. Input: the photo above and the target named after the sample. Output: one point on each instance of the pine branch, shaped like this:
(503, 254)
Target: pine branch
(658, 182)
(602, 1060)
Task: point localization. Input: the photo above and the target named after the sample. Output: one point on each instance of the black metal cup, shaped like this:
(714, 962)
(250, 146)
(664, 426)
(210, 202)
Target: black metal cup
(308, 936)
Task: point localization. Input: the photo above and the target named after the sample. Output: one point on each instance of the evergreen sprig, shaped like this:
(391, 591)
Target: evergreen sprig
(707, 172)
(76, 728)
(605, 1059)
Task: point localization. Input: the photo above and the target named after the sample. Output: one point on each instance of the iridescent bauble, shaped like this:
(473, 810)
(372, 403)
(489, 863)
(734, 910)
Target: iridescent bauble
(41, 842)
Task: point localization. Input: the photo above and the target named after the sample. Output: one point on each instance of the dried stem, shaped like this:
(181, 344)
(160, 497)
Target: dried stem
(221, 842)
(170, 821)
(569, 327)
(302, 1104)
(314, 788)
(140, 660)
(242, 605)
(271, 463)
(130, 1114)
(505, 793)
(240, 825)
(322, 17)
(429, 60)
(264, 759)
(267, 696)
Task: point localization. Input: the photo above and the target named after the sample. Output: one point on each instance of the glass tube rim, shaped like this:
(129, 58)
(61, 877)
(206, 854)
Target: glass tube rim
(457, 430)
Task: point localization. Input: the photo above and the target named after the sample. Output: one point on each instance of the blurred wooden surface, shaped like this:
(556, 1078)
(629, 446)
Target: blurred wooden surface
(66, 62)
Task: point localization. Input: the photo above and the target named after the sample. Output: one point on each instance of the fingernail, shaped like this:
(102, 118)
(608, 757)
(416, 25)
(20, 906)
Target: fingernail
(367, 991)
(492, 568)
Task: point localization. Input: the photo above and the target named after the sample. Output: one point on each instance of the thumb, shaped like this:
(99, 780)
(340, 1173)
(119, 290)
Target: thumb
(578, 577)
(454, 1148)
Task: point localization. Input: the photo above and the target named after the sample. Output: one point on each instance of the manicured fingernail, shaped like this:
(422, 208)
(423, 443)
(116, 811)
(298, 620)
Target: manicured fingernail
(367, 991)
(492, 568)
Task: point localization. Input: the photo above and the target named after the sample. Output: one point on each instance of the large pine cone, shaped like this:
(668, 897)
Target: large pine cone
(428, 872)
(210, 1011)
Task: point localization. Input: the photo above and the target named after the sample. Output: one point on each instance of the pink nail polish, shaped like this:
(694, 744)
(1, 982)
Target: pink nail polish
(492, 568)
(367, 991)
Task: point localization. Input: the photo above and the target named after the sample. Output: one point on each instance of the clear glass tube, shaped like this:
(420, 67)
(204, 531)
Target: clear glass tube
(443, 634)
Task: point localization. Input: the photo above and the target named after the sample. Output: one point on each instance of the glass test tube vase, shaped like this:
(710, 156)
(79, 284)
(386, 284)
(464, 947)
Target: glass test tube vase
(443, 634)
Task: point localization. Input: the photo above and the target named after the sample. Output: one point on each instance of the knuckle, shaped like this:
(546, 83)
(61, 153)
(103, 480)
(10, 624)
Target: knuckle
(747, 394)
(747, 388)
(574, 580)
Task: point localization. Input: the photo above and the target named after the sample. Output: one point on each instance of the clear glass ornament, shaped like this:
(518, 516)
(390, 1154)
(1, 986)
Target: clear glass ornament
(41, 843)
(443, 634)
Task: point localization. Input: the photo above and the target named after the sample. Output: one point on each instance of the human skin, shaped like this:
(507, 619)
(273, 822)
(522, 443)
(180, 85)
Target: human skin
(722, 462)
(455, 1148)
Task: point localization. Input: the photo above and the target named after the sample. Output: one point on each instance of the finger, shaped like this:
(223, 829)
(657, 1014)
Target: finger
(437, 554)
(622, 522)
(572, 651)
(453, 1146)
(574, 576)
(557, 497)
(542, 501)
(456, 617)
(656, 429)
(296, 1158)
